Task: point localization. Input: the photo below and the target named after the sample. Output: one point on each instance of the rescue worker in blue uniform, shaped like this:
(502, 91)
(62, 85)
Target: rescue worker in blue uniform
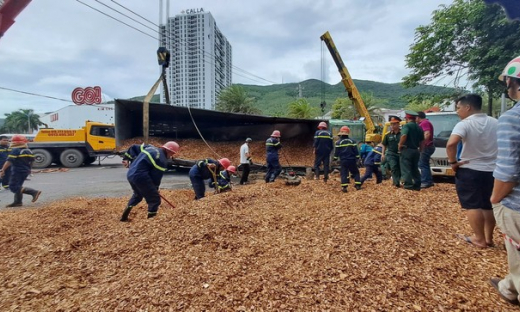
(145, 175)
(4, 152)
(203, 170)
(20, 161)
(272, 146)
(224, 180)
(348, 154)
(323, 145)
(132, 153)
(373, 164)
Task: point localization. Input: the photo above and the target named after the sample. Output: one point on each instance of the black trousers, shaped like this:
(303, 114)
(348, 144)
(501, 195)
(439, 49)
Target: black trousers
(246, 168)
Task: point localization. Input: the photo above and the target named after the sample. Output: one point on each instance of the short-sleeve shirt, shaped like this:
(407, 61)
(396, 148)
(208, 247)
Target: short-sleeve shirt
(414, 135)
(426, 125)
(391, 142)
(244, 149)
(479, 141)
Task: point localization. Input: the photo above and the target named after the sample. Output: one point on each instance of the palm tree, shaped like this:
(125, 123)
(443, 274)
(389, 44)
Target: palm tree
(22, 121)
(343, 108)
(234, 99)
(301, 109)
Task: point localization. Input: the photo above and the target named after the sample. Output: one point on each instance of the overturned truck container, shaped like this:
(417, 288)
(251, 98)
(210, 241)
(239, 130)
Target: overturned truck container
(182, 123)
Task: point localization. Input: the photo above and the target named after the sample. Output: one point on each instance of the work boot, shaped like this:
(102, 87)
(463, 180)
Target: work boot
(358, 187)
(344, 189)
(17, 201)
(34, 193)
(152, 214)
(325, 179)
(126, 213)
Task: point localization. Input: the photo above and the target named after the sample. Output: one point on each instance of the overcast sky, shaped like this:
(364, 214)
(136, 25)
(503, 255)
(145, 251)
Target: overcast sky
(58, 45)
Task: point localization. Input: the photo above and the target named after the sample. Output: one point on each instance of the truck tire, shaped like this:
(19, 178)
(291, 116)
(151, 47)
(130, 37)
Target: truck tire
(72, 158)
(42, 159)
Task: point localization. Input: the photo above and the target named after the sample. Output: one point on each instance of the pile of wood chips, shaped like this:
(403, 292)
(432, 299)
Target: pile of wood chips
(261, 247)
(291, 154)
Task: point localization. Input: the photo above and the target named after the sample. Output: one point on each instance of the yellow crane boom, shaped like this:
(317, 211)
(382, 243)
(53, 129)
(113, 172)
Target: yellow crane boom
(353, 93)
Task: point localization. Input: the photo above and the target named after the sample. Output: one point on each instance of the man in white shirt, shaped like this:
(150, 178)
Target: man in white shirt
(474, 172)
(245, 160)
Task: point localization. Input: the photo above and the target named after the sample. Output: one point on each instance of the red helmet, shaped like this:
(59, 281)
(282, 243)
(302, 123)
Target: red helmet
(224, 162)
(322, 125)
(172, 146)
(232, 169)
(18, 138)
(276, 134)
(344, 131)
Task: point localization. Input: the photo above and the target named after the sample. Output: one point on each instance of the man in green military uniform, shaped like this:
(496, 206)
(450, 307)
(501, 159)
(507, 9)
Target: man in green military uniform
(391, 150)
(412, 137)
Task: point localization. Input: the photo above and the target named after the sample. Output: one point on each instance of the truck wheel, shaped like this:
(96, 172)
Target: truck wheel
(72, 158)
(42, 159)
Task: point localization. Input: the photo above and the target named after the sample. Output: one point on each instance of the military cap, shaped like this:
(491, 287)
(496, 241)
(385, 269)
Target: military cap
(394, 119)
(410, 114)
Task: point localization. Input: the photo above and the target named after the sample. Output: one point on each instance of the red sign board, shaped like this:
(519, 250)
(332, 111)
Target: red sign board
(88, 95)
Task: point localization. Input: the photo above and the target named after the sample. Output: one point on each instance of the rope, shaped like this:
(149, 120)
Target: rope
(200, 134)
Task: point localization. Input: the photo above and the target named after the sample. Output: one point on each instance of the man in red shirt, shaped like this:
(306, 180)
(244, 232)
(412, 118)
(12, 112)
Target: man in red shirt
(427, 150)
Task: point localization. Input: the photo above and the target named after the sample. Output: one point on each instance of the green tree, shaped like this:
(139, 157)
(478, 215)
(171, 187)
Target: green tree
(465, 40)
(301, 109)
(234, 99)
(343, 108)
(21, 121)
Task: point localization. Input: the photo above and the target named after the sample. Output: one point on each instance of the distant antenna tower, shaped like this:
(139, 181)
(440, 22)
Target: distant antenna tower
(300, 91)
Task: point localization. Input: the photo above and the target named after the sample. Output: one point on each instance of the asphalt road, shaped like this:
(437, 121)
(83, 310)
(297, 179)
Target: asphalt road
(107, 179)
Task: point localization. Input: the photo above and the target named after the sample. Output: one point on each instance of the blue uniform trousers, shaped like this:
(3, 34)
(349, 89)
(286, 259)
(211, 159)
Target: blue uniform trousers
(325, 158)
(273, 168)
(370, 170)
(149, 192)
(349, 166)
(197, 182)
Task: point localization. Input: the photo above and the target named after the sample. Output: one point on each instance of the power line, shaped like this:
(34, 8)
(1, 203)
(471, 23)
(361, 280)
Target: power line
(172, 36)
(108, 15)
(36, 94)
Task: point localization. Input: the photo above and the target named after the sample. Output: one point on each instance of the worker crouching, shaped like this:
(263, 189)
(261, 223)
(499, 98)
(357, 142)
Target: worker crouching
(19, 161)
(145, 175)
(373, 164)
(348, 154)
(203, 170)
(223, 183)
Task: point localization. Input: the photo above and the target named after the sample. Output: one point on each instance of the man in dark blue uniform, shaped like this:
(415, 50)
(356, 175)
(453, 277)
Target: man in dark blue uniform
(272, 145)
(203, 170)
(145, 175)
(19, 161)
(323, 145)
(4, 152)
(348, 154)
(373, 164)
(132, 153)
(224, 180)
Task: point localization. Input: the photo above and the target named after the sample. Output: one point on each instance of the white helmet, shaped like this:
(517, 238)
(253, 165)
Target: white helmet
(512, 69)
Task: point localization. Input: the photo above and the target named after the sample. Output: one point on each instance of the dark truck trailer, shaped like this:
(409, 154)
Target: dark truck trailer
(176, 122)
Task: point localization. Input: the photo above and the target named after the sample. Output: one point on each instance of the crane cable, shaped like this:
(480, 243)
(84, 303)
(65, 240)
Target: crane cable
(200, 134)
